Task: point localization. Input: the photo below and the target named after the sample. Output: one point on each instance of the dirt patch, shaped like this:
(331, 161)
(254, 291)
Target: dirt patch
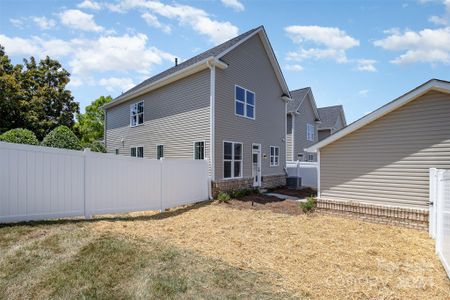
(264, 202)
(302, 193)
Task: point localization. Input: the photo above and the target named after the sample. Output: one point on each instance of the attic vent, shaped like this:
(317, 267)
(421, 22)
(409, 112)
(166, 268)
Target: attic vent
(176, 61)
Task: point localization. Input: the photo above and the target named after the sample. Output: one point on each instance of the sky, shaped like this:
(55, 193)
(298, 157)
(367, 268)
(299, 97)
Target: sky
(361, 54)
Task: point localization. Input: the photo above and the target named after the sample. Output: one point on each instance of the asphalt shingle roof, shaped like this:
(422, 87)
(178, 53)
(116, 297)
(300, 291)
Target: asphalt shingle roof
(297, 96)
(329, 115)
(211, 52)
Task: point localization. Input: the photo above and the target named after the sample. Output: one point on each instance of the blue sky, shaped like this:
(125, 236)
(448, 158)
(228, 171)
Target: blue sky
(361, 54)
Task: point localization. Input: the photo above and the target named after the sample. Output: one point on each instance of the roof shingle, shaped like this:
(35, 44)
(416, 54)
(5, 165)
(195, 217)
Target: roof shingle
(329, 115)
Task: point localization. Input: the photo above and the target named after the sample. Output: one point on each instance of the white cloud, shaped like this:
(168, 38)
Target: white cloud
(116, 84)
(16, 22)
(198, 19)
(77, 19)
(333, 42)
(44, 23)
(153, 21)
(234, 4)
(89, 5)
(426, 46)
(294, 68)
(363, 93)
(444, 19)
(366, 65)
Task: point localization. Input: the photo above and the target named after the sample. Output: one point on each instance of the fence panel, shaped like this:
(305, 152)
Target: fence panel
(40, 183)
(442, 206)
(307, 171)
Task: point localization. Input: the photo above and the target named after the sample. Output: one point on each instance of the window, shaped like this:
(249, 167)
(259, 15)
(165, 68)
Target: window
(159, 151)
(274, 156)
(137, 113)
(137, 151)
(310, 132)
(232, 160)
(199, 150)
(310, 157)
(244, 104)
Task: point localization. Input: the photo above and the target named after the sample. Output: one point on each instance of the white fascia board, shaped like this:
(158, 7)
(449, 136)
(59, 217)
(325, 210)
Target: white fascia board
(195, 68)
(434, 84)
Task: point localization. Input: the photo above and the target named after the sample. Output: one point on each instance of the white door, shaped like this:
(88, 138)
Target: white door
(256, 164)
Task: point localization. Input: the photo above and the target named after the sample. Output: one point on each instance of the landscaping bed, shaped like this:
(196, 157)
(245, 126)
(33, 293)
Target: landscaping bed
(299, 193)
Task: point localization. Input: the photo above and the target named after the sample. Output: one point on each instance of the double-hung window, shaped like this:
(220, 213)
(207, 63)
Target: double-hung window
(137, 113)
(159, 151)
(199, 150)
(232, 160)
(274, 156)
(244, 104)
(137, 151)
(310, 132)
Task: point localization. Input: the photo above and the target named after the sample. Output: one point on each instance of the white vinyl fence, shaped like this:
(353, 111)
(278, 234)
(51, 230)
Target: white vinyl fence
(307, 171)
(440, 214)
(38, 183)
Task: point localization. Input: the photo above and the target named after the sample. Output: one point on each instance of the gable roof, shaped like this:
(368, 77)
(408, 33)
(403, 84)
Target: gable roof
(201, 62)
(329, 116)
(433, 84)
(298, 96)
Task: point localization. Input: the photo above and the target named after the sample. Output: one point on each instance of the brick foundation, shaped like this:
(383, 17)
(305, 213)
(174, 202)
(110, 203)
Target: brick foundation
(406, 217)
(227, 185)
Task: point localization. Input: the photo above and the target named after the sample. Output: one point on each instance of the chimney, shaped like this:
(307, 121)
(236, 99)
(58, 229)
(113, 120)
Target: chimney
(176, 61)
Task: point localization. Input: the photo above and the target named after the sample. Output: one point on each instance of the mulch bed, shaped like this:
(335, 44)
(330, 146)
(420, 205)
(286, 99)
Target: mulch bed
(302, 193)
(264, 202)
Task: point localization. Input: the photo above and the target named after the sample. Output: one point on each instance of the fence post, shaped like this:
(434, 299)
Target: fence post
(432, 206)
(161, 184)
(86, 152)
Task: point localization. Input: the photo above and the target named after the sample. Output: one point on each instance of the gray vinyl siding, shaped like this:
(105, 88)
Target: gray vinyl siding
(175, 116)
(250, 68)
(289, 137)
(387, 161)
(339, 124)
(323, 133)
(306, 115)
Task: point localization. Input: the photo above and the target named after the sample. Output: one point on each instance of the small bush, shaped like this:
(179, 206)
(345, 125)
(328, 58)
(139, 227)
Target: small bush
(222, 197)
(96, 146)
(309, 205)
(62, 137)
(238, 194)
(19, 136)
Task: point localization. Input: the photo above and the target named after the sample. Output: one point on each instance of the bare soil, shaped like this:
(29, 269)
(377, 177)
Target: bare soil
(301, 193)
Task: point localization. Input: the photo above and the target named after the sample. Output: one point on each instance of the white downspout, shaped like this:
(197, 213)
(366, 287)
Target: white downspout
(212, 102)
(293, 138)
(318, 173)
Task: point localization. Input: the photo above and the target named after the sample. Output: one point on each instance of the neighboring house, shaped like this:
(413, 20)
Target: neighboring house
(382, 161)
(227, 105)
(332, 119)
(302, 124)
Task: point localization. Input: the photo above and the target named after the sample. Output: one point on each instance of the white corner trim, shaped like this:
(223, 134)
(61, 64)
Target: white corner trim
(318, 174)
(433, 84)
(212, 119)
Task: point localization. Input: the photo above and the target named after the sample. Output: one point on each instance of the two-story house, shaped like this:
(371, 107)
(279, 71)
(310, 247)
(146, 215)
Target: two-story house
(302, 125)
(332, 119)
(227, 105)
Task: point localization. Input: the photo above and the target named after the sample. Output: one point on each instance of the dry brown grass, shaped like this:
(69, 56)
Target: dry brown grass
(213, 251)
(314, 256)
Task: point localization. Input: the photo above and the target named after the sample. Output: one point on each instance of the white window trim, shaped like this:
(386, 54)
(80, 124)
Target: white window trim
(275, 164)
(310, 135)
(309, 157)
(137, 146)
(204, 148)
(245, 103)
(156, 152)
(232, 160)
(131, 105)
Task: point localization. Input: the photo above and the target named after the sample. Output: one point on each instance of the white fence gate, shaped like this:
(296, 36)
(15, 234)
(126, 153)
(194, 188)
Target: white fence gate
(307, 171)
(38, 183)
(440, 214)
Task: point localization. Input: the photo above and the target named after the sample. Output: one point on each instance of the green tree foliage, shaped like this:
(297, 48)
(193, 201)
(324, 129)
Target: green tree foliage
(96, 146)
(62, 137)
(19, 136)
(89, 125)
(34, 95)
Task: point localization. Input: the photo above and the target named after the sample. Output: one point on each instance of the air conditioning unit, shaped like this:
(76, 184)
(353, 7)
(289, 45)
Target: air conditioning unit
(294, 182)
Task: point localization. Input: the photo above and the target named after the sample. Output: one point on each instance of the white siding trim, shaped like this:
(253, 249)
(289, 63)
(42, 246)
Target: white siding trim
(212, 120)
(318, 174)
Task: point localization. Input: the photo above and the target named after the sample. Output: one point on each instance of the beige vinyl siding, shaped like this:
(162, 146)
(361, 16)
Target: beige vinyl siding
(387, 161)
(250, 68)
(175, 116)
(305, 115)
(289, 138)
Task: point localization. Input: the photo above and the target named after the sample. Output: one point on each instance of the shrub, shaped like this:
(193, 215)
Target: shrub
(309, 205)
(238, 194)
(96, 146)
(222, 197)
(62, 137)
(19, 136)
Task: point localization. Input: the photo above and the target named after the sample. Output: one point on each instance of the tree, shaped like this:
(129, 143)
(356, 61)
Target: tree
(62, 137)
(19, 136)
(89, 125)
(34, 95)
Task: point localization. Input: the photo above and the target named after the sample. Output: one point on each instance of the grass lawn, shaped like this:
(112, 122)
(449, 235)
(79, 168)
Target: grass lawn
(211, 251)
